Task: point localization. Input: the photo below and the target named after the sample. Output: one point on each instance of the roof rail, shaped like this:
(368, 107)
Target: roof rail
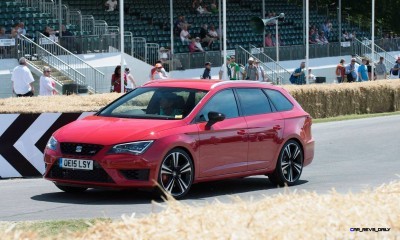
(238, 81)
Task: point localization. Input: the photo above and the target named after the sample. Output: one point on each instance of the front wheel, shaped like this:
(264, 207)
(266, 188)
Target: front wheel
(70, 189)
(289, 165)
(176, 173)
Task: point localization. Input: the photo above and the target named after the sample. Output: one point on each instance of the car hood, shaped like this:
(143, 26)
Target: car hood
(110, 130)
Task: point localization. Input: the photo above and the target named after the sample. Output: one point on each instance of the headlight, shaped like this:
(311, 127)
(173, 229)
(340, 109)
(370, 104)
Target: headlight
(52, 144)
(135, 148)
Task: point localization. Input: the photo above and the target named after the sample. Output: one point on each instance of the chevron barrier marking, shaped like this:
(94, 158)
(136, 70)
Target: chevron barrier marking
(26, 143)
(23, 138)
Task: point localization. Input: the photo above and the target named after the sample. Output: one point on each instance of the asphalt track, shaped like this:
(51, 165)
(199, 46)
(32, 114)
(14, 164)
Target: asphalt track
(350, 156)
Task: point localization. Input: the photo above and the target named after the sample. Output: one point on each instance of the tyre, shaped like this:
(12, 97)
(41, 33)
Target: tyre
(289, 165)
(176, 173)
(70, 189)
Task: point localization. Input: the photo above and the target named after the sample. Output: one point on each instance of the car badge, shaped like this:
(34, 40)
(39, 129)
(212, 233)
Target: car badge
(78, 149)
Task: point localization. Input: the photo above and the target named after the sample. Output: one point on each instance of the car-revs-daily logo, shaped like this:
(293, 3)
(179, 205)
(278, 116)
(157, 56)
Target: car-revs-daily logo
(369, 229)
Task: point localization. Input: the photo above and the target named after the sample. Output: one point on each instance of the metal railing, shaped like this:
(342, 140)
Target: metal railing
(93, 77)
(278, 73)
(88, 23)
(363, 49)
(389, 44)
(152, 53)
(100, 27)
(8, 48)
(31, 50)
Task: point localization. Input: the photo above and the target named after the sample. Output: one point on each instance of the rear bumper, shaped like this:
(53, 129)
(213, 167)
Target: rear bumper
(309, 148)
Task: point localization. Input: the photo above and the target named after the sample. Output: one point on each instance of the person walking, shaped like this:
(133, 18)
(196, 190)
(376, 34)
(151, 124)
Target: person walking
(130, 81)
(395, 70)
(225, 72)
(352, 70)
(207, 71)
(158, 73)
(380, 69)
(340, 71)
(261, 71)
(47, 83)
(22, 80)
(250, 72)
(116, 80)
(363, 71)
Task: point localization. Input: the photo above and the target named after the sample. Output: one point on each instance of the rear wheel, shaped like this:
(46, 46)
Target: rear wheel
(70, 189)
(176, 173)
(289, 165)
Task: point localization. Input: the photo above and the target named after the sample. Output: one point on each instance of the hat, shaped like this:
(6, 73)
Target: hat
(158, 65)
(207, 63)
(162, 48)
(197, 38)
(251, 59)
(353, 60)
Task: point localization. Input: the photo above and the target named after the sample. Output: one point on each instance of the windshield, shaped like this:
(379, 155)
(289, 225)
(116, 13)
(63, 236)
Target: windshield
(155, 103)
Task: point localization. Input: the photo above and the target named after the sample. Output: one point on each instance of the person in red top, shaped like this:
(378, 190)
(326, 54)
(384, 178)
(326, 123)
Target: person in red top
(340, 71)
(116, 80)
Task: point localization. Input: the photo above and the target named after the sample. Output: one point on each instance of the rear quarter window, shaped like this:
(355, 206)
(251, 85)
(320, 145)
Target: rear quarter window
(280, 102)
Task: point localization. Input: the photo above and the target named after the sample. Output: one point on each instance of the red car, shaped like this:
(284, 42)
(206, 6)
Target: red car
(174, 133)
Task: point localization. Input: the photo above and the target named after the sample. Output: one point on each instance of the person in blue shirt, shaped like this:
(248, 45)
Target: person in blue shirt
(352, 71)
(299, 75)
(363, 71)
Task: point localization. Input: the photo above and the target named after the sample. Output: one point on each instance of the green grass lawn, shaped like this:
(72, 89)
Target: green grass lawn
(353, 116)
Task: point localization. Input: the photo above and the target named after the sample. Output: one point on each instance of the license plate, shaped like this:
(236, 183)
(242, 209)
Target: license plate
(76, 164)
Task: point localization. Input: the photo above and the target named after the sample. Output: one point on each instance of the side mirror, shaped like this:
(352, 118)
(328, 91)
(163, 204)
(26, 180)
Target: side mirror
(214, 117)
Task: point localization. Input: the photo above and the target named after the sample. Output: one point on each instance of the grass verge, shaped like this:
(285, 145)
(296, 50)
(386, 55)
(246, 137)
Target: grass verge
(354, 116)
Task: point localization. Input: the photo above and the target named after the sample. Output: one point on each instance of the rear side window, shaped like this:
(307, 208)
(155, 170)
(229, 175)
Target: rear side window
(280, 102)
(253, 101)
(222, 102)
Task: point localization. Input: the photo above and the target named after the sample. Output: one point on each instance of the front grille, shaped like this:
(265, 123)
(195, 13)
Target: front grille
(136, 174)
(80, 149)
(96, 175)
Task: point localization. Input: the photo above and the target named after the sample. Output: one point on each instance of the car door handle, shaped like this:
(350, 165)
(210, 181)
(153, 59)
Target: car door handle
(241, 132)
(277, 127)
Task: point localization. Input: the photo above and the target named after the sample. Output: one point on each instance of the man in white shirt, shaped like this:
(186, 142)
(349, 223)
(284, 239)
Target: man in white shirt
(225, 72)
(311, 77)
(130, 81)
(111, 4)
(159, 72)
(22, 80)
(47, 84)
(197, 43)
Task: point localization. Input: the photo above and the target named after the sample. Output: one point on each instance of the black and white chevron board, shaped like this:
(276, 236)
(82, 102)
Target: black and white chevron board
(23, 138)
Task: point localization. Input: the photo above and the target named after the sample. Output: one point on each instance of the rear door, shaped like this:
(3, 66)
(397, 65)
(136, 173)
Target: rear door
(265, 128)
(222, 148)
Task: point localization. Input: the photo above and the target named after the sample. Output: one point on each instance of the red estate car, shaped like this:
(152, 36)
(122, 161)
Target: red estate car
(179, 132)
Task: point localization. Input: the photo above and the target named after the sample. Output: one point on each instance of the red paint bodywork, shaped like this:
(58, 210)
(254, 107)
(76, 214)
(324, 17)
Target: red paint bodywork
(237, 147)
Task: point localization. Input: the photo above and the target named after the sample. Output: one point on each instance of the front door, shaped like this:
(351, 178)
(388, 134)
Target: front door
(223, 147)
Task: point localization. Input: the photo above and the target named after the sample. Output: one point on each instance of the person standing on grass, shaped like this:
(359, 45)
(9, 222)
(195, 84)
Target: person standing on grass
(22, 80)
(47, 83)
(340, 71)
(363, 71)
(380, 69)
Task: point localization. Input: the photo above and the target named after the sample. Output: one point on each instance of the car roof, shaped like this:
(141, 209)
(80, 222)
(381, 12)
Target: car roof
(206, 85)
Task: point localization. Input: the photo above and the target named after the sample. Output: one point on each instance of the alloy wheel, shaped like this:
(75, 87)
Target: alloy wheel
(291, 164)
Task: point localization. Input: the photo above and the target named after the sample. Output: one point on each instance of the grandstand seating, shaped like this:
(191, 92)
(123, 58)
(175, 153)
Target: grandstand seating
(150, 19)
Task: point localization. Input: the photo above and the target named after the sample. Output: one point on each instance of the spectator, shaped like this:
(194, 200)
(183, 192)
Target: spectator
(345, 36)
(206, 39)
(116, 80)
(214, 7)
(322, 39)
(311, 77)
(180, 23)
(111, 4)
(380, 70)
(395, 70)
(130, 81)
(185, 36)
(313, 37)
(235, 68)
(47, 83)
(47, 31)
(260, 71)
(166, 58)
(268, 40)
(153, 70)
(207, 71)
(340, 71)
(65, 32)
(251, 71)
(21, 29)
(22, 80)
(369, 69)
(225, 71)
(299, 77)
(352, 71)
(158, 73)
(326, 28)
(14, 31)
(3, 34)
(195, 45)
(213, 33)
(352, 36)
(363, 71)
(195, 5)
